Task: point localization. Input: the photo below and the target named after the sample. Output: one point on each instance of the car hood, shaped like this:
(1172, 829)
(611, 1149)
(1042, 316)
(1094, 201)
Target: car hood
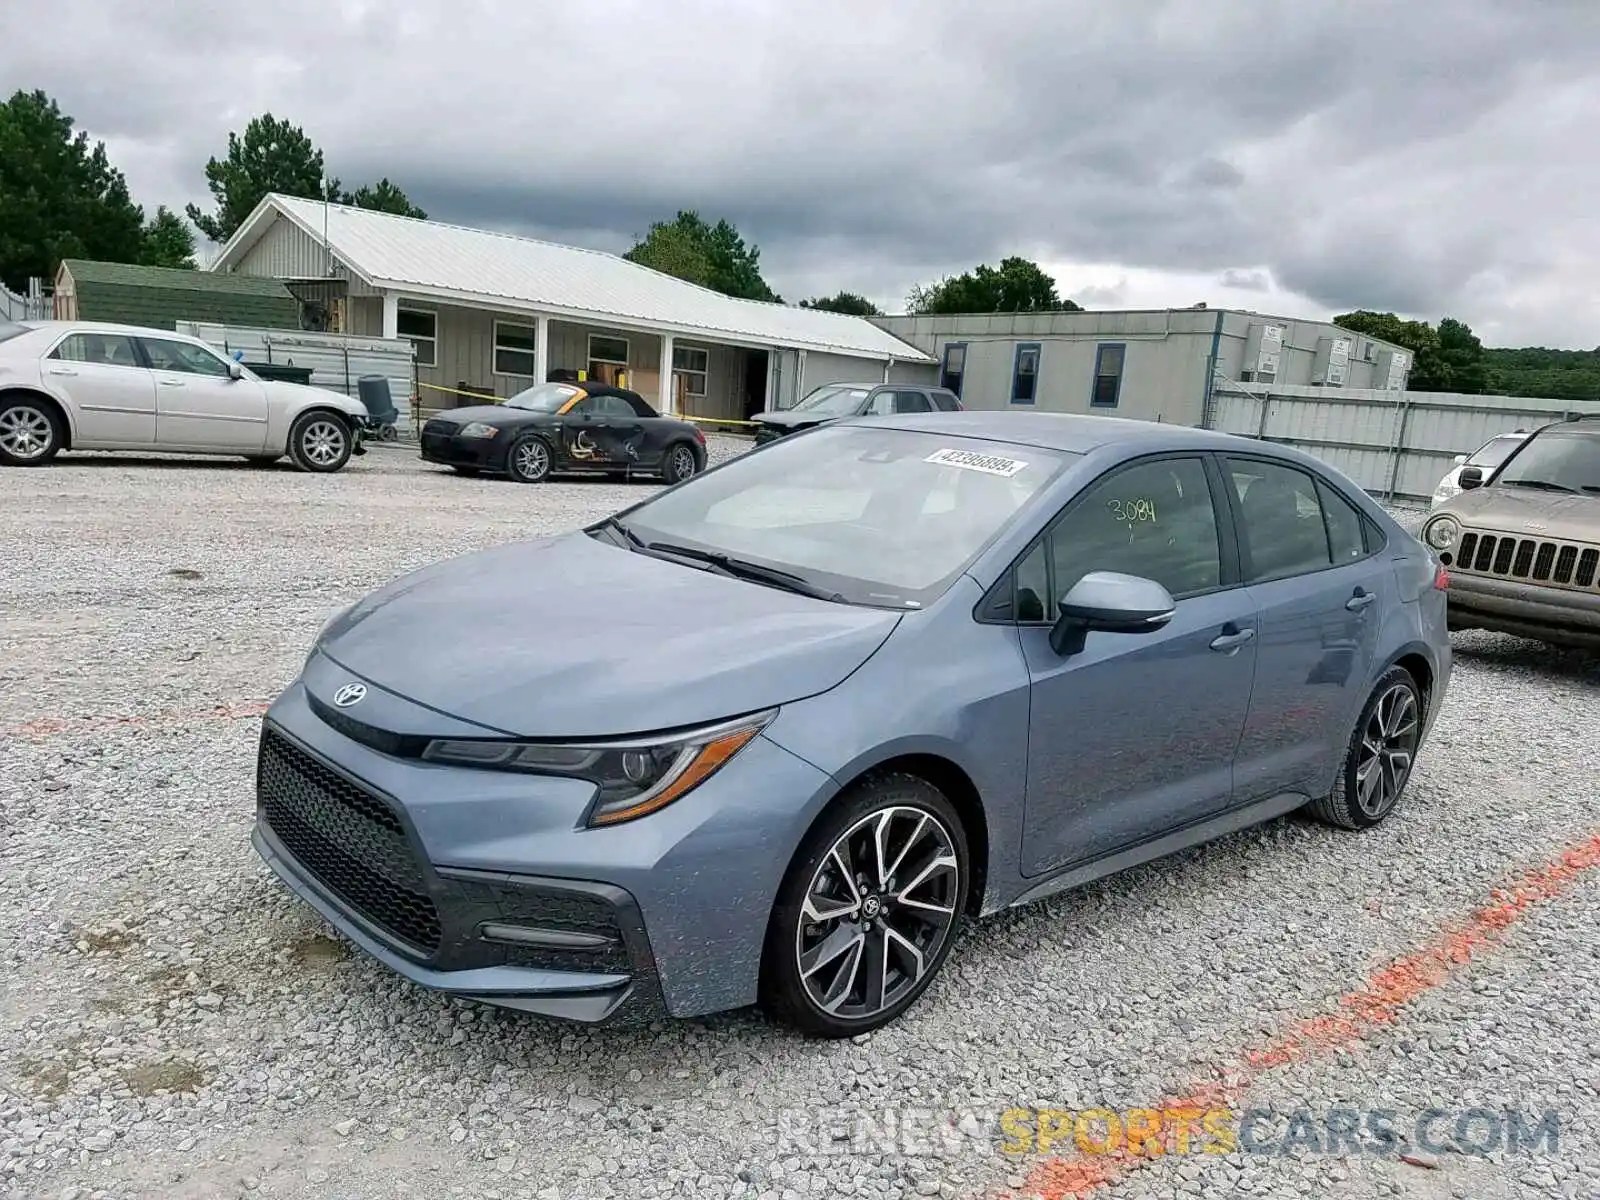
(788, 418)
(574, 637)
(298, 394)
(1519, 510)
(493, 414)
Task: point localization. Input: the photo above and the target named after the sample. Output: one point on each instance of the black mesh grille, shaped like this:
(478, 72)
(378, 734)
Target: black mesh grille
(440, 426)
(1528, 558)
(348, 838)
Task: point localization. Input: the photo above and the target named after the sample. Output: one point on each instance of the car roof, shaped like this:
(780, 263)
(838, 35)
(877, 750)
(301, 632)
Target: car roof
(104, 327)
(1073, 432)
(606, 389)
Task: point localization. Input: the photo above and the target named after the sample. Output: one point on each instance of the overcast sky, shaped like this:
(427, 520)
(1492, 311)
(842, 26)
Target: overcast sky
(1303, 157)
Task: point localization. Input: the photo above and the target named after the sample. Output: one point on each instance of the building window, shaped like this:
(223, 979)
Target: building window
(514, 349)
(603, 349)
(422, 327)
(1108, 362)
(1025, 373)
(954, 367)
(691, 363)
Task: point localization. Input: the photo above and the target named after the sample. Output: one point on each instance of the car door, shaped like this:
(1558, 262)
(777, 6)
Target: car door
(1321, 589)
(623, 437)
(1136, 735)
(199, 405)
(112, 395)
(583, 434)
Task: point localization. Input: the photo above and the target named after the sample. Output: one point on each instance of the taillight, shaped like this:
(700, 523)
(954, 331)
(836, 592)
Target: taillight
(1441, 580)
(699, 435)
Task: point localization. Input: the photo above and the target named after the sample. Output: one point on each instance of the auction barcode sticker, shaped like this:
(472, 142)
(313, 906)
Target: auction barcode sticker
(989, 464)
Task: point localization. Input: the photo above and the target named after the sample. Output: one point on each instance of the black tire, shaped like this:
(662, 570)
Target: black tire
(320, 442)
(263, 460)
(31, 431)
(680, 462)
(1380, 756)
(465, 470)
(529, 459)
(909, 911)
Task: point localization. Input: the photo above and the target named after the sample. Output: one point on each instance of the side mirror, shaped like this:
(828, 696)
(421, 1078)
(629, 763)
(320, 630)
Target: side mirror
(235, 370)
(1109, 602)
(1470, 477)
(1460, 459)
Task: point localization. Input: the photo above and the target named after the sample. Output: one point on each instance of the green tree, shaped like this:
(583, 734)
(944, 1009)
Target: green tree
(714, 256)
(1544, 373)
(844, 302)
(1017, 285)
(168, 242)
(272, 156)
(59, 195)
(384, 196)
(1447, 359)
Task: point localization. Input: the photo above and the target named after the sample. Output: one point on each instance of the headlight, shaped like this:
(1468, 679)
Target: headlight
(477, 429)
(1441, 532)
(634, 777)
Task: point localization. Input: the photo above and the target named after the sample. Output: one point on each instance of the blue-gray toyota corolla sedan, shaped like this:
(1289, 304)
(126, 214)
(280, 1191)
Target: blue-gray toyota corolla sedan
(774, 733)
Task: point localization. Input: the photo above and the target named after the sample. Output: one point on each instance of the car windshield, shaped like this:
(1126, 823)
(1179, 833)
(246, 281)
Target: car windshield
(883, 517)
(544, 397)
(834, 400)
(1492, 453)
(1557, 460)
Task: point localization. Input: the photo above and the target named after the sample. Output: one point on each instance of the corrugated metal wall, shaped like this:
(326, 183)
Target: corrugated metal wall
(1394, 444)
(336, 362)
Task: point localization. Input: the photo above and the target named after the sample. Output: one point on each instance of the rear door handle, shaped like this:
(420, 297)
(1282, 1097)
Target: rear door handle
(62, 371)
(170, 382)
(1231, 638)
(1360, 600)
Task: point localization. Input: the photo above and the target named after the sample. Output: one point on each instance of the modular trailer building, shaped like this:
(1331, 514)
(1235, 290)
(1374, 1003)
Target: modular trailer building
(1154, 365)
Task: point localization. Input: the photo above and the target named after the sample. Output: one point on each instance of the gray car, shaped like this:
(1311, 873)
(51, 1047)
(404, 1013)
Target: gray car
(775, 733)
(1522, 539)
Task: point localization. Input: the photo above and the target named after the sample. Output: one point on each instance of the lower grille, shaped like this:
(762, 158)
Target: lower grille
(438, 426)
(349, 839)
(1529, 558)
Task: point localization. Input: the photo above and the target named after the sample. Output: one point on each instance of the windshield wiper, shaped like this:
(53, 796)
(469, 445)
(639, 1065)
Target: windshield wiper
(739, 568)
(1543, 485)
(633, 539)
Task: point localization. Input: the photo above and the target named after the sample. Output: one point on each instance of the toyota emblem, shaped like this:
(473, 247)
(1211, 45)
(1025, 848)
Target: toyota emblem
(350, 693)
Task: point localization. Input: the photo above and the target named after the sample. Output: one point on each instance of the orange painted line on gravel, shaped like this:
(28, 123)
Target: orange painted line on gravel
(50, 726)
(1357, 1015)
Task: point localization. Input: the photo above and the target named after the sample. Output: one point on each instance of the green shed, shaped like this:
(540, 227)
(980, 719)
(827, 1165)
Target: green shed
(160, 297)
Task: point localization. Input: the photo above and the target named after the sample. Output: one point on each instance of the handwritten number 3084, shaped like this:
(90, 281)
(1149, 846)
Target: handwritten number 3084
(1142, 509)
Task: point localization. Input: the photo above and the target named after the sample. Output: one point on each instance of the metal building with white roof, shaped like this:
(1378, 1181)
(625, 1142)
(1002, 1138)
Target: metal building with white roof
(491, 313)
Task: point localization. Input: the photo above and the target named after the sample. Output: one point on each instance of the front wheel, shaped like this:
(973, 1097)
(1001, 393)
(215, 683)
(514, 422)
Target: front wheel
(868, 909)
(319, 442)
(528, 460)
(1379, 758)
(30, 433)
(681, 462)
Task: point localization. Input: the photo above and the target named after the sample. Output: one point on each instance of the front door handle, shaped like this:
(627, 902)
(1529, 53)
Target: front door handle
(1231, 638)
(1360, 600)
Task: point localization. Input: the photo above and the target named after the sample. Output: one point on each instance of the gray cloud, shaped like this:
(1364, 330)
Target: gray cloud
(1359, 152)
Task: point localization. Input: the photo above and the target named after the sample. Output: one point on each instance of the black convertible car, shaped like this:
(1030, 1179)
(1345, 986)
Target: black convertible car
(554, 427)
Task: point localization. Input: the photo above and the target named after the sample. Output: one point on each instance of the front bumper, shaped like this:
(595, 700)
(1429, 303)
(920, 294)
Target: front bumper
(1563, 616)
(410, 860)
(486, 454)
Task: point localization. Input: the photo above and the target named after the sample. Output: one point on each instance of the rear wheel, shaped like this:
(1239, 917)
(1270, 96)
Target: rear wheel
(1380, 755)
(680, 463)
(868, 909)
(30, 432)
(319, 442)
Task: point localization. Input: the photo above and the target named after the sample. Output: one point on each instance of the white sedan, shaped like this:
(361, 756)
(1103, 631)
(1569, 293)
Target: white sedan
(1489, 456)
(84, 386)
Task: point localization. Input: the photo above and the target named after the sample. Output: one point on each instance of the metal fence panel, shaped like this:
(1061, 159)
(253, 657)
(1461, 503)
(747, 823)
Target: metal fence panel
(337, 362)
(37, 306)
(1395, 445)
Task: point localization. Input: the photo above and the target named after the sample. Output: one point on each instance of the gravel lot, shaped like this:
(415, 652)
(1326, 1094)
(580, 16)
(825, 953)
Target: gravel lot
(173, 1024)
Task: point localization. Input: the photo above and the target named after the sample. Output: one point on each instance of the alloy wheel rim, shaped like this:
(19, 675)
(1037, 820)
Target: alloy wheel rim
(877, 912)
(323, 443)
(683, 462)
(25, 432)
(532, 459)
(1388, 748)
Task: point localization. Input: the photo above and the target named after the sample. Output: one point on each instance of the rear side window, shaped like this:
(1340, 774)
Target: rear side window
(1346, 539)
(910, 402)
(945, 401)
(10, 329)
(1285, 530)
